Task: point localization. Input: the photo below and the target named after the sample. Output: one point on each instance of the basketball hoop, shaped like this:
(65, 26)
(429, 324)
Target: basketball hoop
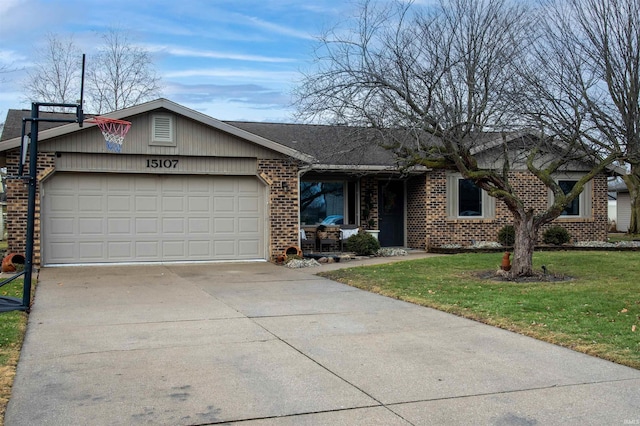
(113, 131)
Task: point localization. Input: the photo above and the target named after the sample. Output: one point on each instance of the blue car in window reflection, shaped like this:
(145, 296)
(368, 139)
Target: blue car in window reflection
(334, 219)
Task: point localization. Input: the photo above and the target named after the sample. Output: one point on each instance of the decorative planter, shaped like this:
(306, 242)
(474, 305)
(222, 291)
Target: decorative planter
(373, 232)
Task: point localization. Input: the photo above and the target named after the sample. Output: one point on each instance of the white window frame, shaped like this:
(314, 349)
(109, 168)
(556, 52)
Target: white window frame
(488, 202)
(585, 199)
(166, 138)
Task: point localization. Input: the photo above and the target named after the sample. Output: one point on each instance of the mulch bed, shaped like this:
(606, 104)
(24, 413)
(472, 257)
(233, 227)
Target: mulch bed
(501, 276)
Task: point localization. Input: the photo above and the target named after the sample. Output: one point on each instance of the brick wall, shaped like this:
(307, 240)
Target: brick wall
(17, 203)
(369, 189)
(417, 200)
(442, 230)
(282, 177)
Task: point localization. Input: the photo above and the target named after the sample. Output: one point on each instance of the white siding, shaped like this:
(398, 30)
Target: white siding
(623, 207)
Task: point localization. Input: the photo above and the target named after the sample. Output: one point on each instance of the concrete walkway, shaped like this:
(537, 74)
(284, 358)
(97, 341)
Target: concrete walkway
(259, 344)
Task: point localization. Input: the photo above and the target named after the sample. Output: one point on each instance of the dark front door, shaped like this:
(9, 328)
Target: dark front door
(391, 213)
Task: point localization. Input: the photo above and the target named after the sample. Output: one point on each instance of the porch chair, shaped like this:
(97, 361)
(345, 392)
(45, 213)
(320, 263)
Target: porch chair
(305, 243)
(345, 232)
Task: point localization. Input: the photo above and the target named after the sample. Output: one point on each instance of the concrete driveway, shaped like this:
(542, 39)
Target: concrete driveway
(259, 344)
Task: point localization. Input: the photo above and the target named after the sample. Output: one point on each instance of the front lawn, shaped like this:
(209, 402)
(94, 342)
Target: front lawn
(12, 327)
(598, 312)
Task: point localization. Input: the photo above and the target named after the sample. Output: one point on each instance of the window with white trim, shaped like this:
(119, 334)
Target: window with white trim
(467, 201)
(163, 130)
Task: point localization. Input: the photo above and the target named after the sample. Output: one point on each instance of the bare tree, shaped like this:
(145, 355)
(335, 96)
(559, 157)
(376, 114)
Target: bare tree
(591, 51)
(120, 75)
(56, 74)
(449, 77)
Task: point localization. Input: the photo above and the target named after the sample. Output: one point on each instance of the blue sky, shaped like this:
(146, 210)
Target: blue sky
(230, 59)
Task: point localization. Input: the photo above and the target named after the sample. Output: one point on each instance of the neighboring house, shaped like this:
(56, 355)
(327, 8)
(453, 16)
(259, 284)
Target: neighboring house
(623, 204)
(188, 187)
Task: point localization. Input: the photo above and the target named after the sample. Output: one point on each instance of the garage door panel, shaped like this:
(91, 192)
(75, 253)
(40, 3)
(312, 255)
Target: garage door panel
(199, 204)
(249, 205)
(91, 218)
(173, 204)
(248, 225)
(224, 225)
(91, 251)
(63, 252)
(224, 186)
(120, 250)
(199, 226)
(147, 250)
(200, 249)
(61, 226)
(90, 203)
(118, 203)
(91, 226)
(249, 247)
(146, 203)
(63, 203)
(223, 204)
(146, 185)
(146, 225)
(119, 226)
(91, 186)
(249, 185)
(173, 226)
(224, 248)
(123, 184)
(174, 249)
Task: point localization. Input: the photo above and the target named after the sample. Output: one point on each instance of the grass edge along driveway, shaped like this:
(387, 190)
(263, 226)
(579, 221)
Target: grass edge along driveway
(13, 326)
(596, 312)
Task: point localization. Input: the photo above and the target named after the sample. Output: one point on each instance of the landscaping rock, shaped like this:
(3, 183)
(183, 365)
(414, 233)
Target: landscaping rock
(388, 252)
(302, 263)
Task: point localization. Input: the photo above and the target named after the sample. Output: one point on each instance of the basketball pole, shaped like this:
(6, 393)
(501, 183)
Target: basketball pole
(9, 303)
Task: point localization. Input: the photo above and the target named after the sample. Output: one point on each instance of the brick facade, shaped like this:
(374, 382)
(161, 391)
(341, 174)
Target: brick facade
(417, 201)
(369, 199)
(440, 229)
(17, 203)
(282, 177)
(427, 221)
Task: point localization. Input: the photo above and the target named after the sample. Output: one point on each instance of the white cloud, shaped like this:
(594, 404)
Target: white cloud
(279, 29)
(235, 74)
(195, 53)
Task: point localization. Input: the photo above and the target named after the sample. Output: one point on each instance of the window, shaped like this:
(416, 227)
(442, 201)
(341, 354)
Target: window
(573, 209)
(580, 207)
(162, 130)
(327, 202)
(466, 201)
(469, 198)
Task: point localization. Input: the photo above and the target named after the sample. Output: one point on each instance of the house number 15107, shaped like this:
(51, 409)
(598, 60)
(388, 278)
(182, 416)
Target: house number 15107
(158, 163)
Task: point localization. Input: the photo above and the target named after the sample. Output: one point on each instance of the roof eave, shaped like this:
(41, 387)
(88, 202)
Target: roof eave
(366, 168)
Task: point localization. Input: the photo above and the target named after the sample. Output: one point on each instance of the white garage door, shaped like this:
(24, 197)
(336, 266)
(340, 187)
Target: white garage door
(96, 218)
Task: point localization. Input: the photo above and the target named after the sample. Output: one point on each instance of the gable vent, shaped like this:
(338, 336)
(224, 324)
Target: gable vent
(162, 132)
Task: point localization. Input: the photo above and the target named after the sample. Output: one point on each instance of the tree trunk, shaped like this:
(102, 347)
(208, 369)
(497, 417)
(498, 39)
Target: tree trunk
(632, 181)
(526, 231)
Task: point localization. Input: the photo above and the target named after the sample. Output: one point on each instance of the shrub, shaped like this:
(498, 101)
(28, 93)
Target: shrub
(507, 235)
(363, 244)
(556, 235)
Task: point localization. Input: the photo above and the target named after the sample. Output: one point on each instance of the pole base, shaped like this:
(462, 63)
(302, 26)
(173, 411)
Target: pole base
(8, 304)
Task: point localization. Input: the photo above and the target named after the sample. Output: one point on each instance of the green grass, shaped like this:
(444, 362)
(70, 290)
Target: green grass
(12, 328)
(617, 237)
(595, 313)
